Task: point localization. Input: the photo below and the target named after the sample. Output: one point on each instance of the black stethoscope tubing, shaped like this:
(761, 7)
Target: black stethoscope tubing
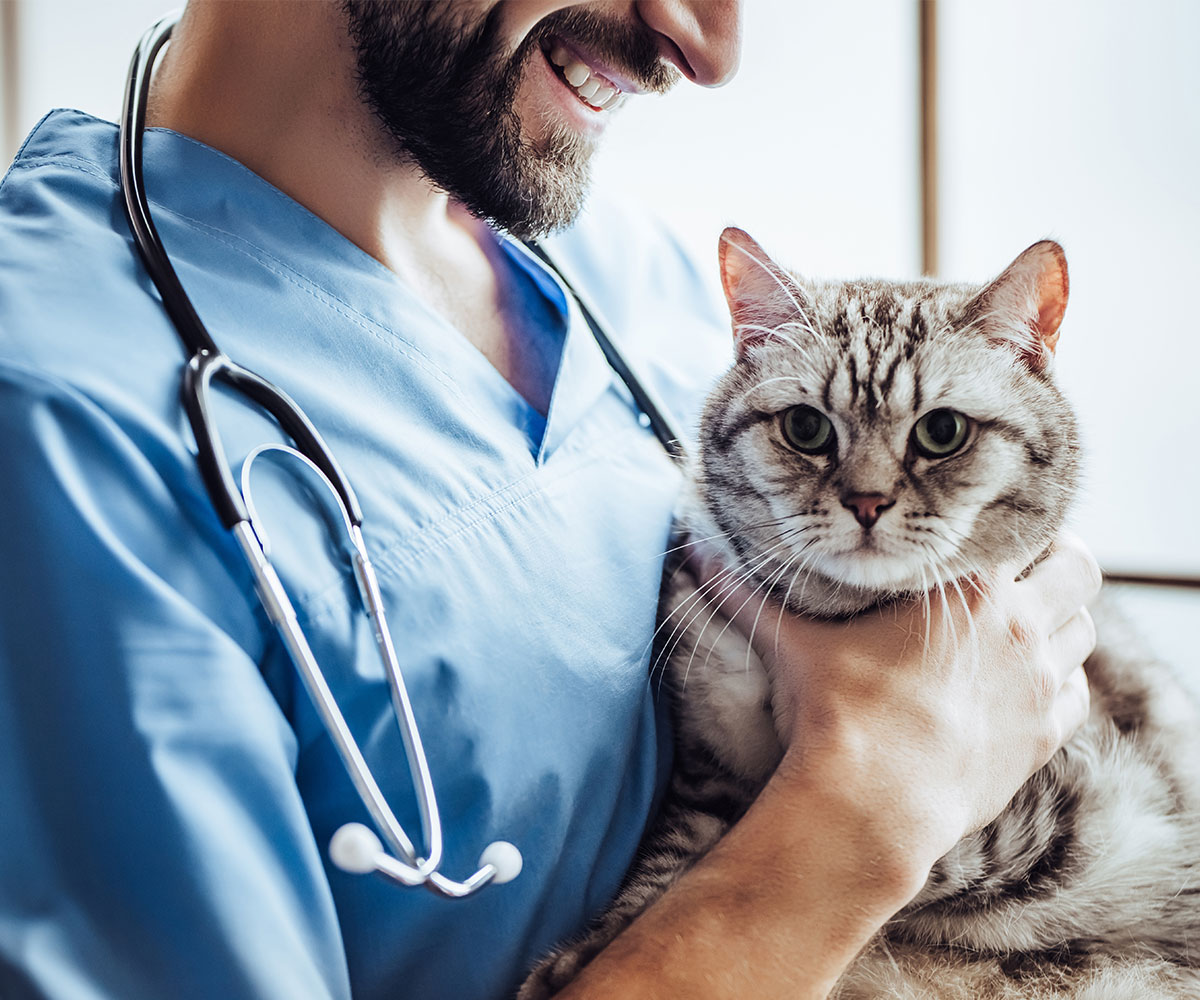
(206, 362)
(643, 397)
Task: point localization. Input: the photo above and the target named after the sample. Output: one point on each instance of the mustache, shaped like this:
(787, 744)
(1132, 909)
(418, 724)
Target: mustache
(629, 47)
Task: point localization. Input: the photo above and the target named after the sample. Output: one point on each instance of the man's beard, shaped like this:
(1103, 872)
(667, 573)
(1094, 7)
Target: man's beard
(444, 91)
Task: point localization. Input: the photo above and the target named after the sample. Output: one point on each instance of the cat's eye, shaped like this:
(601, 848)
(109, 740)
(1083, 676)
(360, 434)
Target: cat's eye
(808, 430)
(940, 433)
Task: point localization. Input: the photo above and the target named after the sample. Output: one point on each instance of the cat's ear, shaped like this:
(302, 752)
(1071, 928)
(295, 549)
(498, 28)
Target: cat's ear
(1024, 307)
(762, 296)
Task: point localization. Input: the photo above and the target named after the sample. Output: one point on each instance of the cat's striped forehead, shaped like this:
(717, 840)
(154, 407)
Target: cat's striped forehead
(874, 349)
(905, 311)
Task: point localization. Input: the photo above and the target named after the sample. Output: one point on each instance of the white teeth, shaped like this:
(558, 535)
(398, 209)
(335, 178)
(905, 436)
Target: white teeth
(593, 89)
(576, 73)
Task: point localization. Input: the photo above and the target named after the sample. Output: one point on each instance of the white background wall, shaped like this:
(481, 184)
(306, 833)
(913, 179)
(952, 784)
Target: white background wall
(74, 53)
(1071, 118)
(813, 148)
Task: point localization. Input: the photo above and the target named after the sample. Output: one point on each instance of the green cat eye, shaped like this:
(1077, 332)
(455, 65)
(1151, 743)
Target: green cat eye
(940, 433)
(808, 430)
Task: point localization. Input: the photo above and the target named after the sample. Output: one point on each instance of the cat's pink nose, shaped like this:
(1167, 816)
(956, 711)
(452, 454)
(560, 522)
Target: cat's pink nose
(867, 506)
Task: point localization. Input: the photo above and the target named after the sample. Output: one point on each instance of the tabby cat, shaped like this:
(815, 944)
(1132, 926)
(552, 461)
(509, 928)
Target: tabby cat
(876, 439)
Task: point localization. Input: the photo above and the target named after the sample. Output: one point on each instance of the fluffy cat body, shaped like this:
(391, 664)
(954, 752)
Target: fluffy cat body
(876, 440)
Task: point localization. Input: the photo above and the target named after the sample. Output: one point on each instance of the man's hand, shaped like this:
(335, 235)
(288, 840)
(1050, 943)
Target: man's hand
(927, 716)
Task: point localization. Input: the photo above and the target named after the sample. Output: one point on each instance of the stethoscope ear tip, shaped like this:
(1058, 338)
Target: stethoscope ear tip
(355, 848)
(505, 858)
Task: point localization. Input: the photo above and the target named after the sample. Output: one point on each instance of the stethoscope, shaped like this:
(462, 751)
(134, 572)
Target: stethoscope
(354, 847)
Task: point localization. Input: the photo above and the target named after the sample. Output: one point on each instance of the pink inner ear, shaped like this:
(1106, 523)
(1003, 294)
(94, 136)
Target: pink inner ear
(1052, 301)
(1024, 307)
(738, 254)
(751, 281)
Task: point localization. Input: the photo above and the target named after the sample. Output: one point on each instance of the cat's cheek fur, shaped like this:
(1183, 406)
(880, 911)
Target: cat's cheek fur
(726, 701)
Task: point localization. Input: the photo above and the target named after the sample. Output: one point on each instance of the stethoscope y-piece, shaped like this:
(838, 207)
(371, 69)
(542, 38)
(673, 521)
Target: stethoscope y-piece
(354, 847)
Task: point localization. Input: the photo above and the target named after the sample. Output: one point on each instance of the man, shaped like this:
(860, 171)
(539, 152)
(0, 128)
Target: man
(330, 190)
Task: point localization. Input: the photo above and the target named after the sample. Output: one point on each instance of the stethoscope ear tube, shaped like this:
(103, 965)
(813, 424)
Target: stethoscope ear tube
(137, 209)
(278, 607)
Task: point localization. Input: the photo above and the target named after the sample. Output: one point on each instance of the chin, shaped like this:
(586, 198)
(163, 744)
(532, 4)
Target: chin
(876, 571)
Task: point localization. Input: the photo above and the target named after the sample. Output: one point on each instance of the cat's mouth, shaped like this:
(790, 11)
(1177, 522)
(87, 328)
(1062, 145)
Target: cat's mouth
(594, 89)
(872, 566)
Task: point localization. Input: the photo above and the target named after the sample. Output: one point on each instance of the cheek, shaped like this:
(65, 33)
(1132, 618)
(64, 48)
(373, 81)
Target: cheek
(520, 15)
(987, 471)
(792, 482)
(757, 483)
(997, 501)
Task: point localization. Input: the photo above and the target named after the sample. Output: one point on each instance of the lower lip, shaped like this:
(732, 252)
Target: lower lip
(570, 101)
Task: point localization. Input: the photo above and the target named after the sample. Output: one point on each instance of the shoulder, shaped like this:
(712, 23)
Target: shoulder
(74, 303)
(80, 322)
(56, 193)
(89, 364)
(631, 264)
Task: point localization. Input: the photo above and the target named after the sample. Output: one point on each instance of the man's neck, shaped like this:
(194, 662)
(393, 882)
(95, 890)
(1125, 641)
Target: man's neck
(273, 84)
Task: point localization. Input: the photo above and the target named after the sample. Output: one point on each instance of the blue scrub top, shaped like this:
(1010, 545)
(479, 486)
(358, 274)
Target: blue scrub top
(167, 792)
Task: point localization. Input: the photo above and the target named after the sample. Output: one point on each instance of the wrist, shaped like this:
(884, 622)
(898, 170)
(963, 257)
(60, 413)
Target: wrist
(874, 844)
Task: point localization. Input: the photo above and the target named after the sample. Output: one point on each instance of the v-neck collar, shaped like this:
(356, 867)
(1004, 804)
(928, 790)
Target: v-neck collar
(583, 373)
(238, 204)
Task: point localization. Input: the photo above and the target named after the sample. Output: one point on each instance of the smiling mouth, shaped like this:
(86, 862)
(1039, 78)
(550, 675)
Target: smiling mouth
(593, 90)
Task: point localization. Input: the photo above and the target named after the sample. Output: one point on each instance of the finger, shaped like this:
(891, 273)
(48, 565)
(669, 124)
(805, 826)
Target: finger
(1072, 704)
(1061, 583)
(1072, 643)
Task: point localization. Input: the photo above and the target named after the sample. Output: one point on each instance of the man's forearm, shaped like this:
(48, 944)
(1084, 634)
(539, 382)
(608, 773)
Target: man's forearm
(779, 908)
